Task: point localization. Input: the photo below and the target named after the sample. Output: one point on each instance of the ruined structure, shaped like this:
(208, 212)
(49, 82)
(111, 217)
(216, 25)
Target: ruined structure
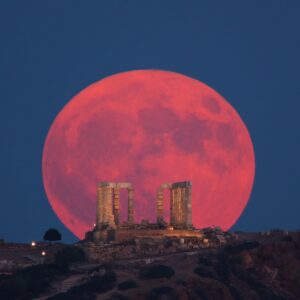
(109, 227)
(108, 204)
(180, 204)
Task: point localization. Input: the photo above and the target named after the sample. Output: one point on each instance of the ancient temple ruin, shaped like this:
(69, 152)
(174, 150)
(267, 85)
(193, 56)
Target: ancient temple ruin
(180, 204)
(108, 204)
(108, 225)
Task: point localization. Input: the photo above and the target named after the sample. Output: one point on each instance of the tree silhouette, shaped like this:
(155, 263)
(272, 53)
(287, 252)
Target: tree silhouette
(52, 235)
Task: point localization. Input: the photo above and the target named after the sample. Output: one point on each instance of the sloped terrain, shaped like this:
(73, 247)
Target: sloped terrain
(267, 267)
(247, 270)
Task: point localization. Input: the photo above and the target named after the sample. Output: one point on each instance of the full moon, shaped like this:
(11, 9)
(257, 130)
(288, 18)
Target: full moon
(148, 127)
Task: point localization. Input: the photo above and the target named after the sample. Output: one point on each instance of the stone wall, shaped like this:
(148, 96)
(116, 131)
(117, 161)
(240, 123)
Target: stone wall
(140, 248)
(123, 235)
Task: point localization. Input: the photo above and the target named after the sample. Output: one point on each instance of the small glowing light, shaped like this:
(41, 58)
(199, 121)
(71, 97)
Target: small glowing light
(43, 253)
(94, 225)
(33, 244)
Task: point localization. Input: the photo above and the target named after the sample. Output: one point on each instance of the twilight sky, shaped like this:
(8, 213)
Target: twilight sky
(248, 52)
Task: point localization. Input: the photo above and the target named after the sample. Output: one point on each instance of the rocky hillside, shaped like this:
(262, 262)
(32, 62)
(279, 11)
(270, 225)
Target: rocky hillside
(268, 269)
(253, 266)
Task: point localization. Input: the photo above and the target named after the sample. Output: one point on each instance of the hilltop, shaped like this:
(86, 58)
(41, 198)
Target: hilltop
(254, 266)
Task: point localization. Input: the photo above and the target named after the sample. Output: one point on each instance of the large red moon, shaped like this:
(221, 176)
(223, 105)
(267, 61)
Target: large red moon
(148, 127)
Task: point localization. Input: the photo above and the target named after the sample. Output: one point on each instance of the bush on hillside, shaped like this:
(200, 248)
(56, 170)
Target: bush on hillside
(68, 255)
(156, 271)
(162, 292)
(128, 284)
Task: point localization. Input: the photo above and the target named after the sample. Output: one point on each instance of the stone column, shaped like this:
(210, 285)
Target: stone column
(104, 206)
(177, 209)
(100, 200)
(174, 206)
(130, 206)
(108, 217)
(116, 205)
(180, 207)
(188, 206)
(109, 207)
(160, 205)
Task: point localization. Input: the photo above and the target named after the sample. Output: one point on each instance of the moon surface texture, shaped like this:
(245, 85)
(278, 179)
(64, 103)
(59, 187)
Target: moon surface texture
(148, 127)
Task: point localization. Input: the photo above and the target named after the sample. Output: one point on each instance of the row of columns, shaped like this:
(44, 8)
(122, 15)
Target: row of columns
(180, 203)
(108, 203)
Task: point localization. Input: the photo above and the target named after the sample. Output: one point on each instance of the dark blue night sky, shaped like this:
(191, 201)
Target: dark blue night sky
(247, 50)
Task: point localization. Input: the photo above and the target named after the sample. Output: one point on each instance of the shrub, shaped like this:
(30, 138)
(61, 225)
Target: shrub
(13, 288)
(287, 239)
(101, 284)
(28, 283)
(70, 296)
(247, 246)
(163, 292)
(205, 271)
(67, 256)
(117, 296)
(97, 284)
(128, 284)
(4, 277)
(38, 271)
(200, 291)
(181, 282)
(203, 260)
(86, 291)
(38, 278)
(105, 266)
(156, 271)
